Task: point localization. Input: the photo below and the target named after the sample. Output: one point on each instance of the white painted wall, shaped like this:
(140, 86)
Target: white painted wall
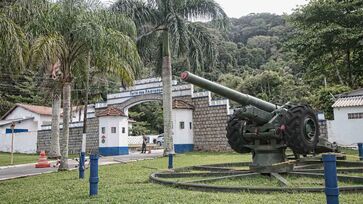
(24, 142)
(117, 139)
(345, 131)
(182, 136)
(20, 112)
(78, 113)
(43, 120)
(30, 125)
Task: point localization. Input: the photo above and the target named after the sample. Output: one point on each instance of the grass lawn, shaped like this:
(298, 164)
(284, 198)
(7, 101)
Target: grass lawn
(129, 183)
(23, 158)
(18, 158)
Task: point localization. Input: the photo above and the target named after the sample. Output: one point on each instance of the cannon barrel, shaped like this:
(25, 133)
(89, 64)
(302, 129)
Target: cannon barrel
(243, 99)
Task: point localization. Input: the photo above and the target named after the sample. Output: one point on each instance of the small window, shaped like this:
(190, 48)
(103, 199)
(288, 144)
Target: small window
(103, 130)
(355, 115)
(113, 129)
(123, 130)
(181, 125)
(190, 125)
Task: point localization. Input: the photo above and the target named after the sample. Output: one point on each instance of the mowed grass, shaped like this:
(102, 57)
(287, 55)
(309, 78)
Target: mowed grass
(129, 183)
(18, 158)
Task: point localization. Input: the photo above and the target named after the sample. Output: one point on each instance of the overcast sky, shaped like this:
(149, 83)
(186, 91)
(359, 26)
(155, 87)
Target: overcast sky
(238, 8)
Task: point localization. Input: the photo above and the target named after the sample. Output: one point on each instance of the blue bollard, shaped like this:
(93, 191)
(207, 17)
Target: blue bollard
(81, 166)
(360, 150)
(93, 178)
(170, 166)
(331, 180)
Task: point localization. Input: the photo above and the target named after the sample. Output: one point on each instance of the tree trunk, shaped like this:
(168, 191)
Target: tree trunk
(337, 72)
(167, 94)
(349, 69)
(66, 117)
(54, 151)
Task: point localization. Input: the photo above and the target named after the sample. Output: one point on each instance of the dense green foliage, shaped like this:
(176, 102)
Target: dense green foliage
(38, 35)
(148, 117)
(329, 38)
(302, 57)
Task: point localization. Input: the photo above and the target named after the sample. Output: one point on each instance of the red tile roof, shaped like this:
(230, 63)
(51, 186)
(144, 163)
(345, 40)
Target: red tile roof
(111, 111)
(180, 104)
(41, 110)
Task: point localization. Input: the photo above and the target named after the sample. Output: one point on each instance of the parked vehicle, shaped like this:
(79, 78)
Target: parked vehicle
(160, 140)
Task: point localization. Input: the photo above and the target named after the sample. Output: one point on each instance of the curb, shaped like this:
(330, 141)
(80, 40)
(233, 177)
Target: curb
(18, 165)
(70, 169)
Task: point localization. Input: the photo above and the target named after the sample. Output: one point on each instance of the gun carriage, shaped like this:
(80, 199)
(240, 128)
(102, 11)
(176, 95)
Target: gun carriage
(266, 129)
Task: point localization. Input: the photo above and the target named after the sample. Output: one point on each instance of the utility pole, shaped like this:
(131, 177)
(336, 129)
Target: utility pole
(12, 143)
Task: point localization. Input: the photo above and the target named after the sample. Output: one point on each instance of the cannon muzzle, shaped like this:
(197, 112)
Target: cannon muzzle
(243, 99)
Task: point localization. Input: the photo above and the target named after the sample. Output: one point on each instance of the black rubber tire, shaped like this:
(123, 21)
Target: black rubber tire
(294, 132)
(234, 135)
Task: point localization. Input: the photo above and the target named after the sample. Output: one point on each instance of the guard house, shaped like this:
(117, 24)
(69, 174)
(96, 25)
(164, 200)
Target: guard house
(347, 127)
(113, 132)
(182, 118)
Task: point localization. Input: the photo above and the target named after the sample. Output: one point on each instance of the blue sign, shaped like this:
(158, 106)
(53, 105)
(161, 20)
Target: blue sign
(8, 130)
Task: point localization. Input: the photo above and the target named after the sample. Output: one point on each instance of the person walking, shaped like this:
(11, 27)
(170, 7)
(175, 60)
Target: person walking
(144, 140)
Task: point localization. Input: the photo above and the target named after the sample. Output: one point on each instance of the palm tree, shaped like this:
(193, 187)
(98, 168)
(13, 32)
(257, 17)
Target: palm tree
(13, 49)
(16, 18)
(172, 20)
(70, 30)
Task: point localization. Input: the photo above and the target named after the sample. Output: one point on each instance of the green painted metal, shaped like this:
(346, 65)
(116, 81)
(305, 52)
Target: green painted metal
(243, 99)
(266, 129)
(212, 173)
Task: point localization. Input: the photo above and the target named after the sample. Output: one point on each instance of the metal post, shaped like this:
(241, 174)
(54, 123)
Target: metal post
(360, 150)
(81, 165)
(331, 180)
(93, 179)
(12, 143)
(170, 166)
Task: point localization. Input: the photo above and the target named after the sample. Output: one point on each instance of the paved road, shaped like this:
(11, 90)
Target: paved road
(24, 170)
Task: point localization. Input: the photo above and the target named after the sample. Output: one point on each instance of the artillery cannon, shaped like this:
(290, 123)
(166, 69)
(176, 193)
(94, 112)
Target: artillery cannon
(266, 129)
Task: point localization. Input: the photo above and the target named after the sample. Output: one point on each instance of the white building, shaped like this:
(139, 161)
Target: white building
(182, 118)
(113, 132)
(28, 119)
(347, 126)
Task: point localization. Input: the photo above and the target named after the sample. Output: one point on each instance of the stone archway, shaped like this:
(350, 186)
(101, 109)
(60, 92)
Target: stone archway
(138, 100)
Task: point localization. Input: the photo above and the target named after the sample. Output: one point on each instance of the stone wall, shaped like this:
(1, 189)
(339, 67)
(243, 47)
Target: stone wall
(210, 124)
(75, 138)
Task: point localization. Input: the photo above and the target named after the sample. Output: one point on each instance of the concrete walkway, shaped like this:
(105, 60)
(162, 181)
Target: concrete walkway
(25, 170)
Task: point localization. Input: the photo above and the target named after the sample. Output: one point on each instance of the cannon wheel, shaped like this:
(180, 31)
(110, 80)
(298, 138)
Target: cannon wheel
(302, 129)
(234, 135)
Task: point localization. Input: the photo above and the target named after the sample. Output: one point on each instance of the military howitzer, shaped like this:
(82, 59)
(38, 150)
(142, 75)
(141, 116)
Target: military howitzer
(266, 129)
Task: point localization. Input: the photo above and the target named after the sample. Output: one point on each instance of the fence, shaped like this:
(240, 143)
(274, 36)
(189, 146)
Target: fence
(133, 140)
(24, 142)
